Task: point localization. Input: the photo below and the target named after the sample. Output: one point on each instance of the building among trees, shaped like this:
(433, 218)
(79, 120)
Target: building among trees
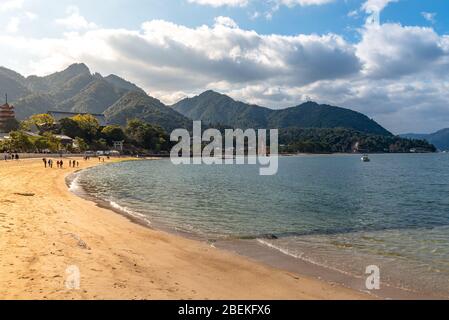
(59, 115)
(7, 114)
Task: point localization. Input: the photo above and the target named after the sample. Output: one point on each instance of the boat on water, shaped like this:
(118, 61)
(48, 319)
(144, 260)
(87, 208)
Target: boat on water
(365, 158)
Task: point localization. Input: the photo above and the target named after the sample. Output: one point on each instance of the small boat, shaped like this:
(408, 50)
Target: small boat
(365, 158)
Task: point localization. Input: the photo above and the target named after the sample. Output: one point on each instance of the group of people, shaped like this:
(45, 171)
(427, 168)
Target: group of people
(100, 159)
(11, 156)
(60, 163)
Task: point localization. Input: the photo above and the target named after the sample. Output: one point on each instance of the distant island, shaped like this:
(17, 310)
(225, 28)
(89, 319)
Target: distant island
(439, 139)
(144, 122)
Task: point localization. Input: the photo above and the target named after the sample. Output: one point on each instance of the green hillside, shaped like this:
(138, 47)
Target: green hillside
(138, 105)
(215, 108)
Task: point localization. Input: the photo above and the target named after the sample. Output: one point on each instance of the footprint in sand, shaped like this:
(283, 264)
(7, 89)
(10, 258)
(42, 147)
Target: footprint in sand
(25, 194)
(7, 201)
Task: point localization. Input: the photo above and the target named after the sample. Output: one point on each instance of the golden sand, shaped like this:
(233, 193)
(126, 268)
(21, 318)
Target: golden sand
(44, 229)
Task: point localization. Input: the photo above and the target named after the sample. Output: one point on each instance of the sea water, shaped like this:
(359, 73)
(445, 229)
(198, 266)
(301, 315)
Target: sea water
(333, 211)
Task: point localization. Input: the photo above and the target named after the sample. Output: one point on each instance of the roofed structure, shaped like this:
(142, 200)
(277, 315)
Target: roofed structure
(6, 113)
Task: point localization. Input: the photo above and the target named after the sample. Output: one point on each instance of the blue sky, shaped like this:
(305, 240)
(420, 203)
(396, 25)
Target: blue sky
(332, 17)
(276, 53)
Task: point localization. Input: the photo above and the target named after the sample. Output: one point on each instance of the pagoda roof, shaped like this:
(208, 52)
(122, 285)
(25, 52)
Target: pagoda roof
(7, 106)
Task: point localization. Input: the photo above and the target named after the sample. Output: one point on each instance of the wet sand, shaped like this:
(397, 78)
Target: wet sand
(45, 229)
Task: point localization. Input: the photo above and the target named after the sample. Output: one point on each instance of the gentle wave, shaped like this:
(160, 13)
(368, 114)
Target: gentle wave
(130, 212)
(74, 185)
(76, 188)
(342, 213)
(302, 257)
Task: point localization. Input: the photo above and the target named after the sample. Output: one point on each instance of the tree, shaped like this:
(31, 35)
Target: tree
(80, 144)
(88, 124)
(146, 136)
(20, 142)
(10, 125)
(82, 126)
(113, 133)
(44, 122)
(5, 145)
(54, 144)
(317, 140)
(100, 144)
(41, 143)
(71, 128)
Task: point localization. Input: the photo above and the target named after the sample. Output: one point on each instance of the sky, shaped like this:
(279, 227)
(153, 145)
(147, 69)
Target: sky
(388, 59)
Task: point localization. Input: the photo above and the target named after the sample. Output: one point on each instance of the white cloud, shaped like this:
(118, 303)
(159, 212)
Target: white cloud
(397, 74)
(74, 20)
(291, 3)
(429, 16)
(376, 6)
(13, 25)
(17, 22)
(181, 58)
(243, 3)
(353, 14)
(31, 15)
(225, 22)
(9, 5)
(255, 15)
(220, 3)
(391, 51)
(275, 5)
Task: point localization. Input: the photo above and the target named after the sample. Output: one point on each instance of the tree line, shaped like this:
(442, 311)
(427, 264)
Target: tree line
(341, 140)
(141, 137)
(40, 132)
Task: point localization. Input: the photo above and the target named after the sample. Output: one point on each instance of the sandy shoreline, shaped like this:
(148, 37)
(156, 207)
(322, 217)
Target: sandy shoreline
(44, 229)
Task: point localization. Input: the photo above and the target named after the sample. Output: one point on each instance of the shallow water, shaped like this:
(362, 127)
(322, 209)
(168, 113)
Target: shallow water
(334, 211)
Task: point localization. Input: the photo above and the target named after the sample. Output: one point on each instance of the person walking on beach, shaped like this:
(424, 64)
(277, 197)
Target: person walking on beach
(50, 163)
(45, 162)
(58, 164)
(70, 163)
(17, 156)
(77, 164)
(61, 163)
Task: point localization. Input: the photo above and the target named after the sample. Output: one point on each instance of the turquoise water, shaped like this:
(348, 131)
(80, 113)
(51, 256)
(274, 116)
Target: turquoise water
(334, 211)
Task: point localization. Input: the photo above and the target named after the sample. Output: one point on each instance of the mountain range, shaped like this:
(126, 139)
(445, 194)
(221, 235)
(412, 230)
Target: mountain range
(439, 139)
(215, 108)
(76, 89)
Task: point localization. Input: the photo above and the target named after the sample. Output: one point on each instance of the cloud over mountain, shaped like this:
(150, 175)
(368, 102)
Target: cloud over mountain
(74, 20)
(397, 74)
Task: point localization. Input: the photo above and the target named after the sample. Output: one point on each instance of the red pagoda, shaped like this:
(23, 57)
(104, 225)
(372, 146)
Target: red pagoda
(6, 113)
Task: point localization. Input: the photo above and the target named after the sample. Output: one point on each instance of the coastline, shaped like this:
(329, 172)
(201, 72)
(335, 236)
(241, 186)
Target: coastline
(261, 251)
(47, 229)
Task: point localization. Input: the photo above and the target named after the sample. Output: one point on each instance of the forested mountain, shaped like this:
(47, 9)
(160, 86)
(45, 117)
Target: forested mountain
(340, 140)
(309, 126)
(212, 107)
(138, 105)
(76, 89)
(440, 138)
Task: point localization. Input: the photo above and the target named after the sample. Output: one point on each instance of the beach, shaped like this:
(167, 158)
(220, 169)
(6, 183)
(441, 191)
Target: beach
(46, 230)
